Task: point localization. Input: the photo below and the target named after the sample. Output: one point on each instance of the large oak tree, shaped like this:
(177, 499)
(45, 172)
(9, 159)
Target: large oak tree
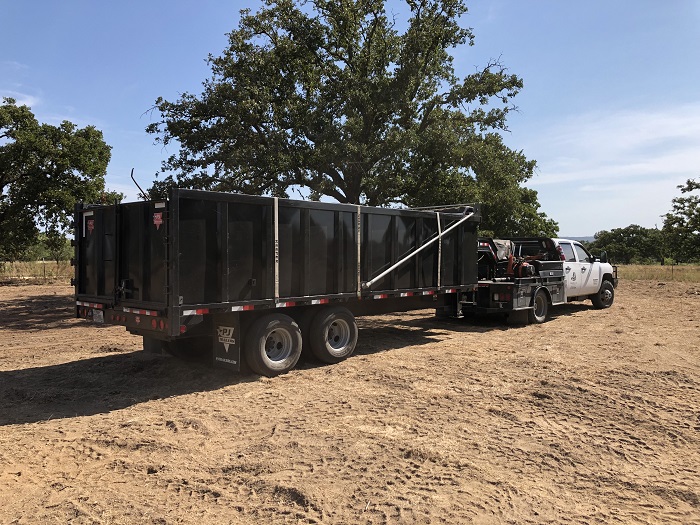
(346, 99)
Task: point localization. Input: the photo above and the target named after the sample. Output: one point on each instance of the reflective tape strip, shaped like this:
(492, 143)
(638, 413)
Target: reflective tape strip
(320, 301)
(90, 305)
(451, 290)
(140, 312)
(242, 308)
(285, 305)
(429, 292)
(200, 311)
(381, 296)
(406, 294)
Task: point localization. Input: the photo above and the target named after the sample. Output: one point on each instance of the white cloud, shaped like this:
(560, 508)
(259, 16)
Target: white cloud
(600, 170)
(631, 144)
(13, 65)
(23, 99)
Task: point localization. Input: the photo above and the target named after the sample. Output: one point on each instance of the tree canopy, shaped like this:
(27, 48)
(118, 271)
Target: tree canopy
(682, 223)
(44, 171)
(632, 244)
(329, 96)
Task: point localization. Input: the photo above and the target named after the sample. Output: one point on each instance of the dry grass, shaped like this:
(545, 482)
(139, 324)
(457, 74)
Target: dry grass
(36, 271)
(50, 271)
(682, 272)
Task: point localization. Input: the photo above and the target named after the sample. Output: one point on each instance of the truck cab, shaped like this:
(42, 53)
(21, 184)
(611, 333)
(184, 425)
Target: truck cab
(586, 275)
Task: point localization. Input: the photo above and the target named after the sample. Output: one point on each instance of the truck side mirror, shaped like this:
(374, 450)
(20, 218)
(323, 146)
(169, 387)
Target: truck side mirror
(604, 257)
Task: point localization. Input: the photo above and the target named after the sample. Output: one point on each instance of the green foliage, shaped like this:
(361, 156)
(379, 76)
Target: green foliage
(329, 96)
(633, 244)
(48, 247)
(682, 224)
(44, 171)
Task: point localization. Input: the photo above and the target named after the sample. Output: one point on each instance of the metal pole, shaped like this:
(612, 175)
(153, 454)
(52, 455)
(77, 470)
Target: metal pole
(358, 233)
(276, 229)
(439, 266)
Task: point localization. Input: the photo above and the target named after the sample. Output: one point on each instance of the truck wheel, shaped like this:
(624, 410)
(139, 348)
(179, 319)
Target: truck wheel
(333, 335)
(273, 345)
(605, 296)
(539, 313)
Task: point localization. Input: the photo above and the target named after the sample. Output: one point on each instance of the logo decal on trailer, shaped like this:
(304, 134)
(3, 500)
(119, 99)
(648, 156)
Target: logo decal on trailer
(226, 336)
(158, 219)
(91, 225)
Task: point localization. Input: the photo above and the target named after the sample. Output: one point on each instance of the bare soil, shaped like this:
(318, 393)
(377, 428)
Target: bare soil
(592, 417)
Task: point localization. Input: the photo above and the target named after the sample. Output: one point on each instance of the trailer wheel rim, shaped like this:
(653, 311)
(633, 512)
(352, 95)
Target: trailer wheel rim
(279, 345)
(338, 336)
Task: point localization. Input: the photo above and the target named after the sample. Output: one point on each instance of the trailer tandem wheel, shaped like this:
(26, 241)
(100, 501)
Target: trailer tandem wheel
(273, 345)
(333, 334)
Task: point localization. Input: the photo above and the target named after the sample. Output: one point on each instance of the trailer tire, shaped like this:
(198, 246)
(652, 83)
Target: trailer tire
(273, 345)
(605, 296)
(333, 335)
(540, 304)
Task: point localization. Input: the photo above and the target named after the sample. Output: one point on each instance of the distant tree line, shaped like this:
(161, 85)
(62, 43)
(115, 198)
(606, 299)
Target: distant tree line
(678, 241)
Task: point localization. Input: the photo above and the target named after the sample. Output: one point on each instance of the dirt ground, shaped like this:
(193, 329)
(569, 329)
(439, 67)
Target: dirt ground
(592, 417)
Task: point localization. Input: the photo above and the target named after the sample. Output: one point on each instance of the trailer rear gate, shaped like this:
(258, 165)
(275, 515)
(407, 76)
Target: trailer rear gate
(160, 267)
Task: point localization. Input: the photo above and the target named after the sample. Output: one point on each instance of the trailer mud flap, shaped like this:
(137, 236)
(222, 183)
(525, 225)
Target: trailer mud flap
(227, 342)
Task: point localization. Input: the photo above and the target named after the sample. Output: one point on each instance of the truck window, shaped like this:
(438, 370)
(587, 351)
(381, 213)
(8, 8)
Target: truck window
(568, 251)
(582, 254)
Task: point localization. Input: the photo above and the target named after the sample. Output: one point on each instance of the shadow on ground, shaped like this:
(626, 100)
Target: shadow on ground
(37, 313)
(102, 384)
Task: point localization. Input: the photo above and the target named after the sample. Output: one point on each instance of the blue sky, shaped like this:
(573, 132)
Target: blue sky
(610, 108)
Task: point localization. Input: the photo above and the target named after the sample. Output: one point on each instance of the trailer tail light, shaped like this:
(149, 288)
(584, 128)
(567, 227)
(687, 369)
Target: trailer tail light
(154, 323)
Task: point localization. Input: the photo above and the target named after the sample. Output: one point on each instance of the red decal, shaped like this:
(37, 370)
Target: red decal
(158, 219)
(91, 225)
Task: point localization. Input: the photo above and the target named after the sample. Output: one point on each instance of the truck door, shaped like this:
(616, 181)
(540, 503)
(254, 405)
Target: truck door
(590, 271)
(572, 270)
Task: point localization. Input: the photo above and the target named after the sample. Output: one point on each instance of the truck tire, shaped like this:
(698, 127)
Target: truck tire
(273, 345)
(333, 334)
(605, 296)
(540, 304)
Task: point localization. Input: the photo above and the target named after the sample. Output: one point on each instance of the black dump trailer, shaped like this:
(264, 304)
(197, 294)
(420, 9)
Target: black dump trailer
(257, 278)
